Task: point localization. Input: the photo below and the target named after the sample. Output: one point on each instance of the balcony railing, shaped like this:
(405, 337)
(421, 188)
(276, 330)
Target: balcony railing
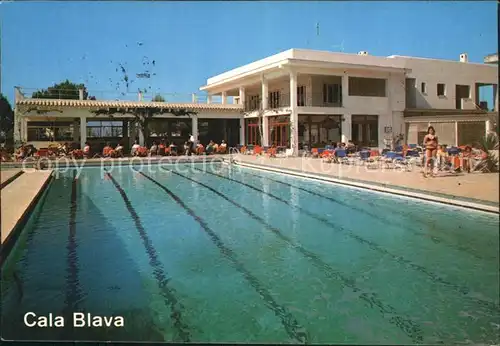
(319, 99)
(281, 100)
(107, 95)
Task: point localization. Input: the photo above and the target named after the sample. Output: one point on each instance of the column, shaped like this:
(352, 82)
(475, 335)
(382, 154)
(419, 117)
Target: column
(264, 92)
(76, 131)
(242, 131)
(495, 97)
(125, 140)
(346, 128)
(456, 133)
(265, 131)
(141, 135)
(80, 94)
(209, 99)
(17, 127)
(224, 97)
(294, 115)
(487, 129)
(194, 127)
(242, 96)
(24, 129)
(345, 90)
(83, 131)
(309, 93)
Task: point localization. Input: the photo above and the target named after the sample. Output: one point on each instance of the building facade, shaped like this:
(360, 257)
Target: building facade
(304, 98)
(43, 121)
(298, 99)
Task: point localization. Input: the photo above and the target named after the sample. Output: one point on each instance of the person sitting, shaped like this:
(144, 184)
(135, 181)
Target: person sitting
(135, 148)
(172, 148)
(350, 147)
(142, 151)
(200, 149)
(21, 153)
(107, 150)
(210, 148)
(442, 158)
(467, 159)
(6, 157)
(216, 148)
(161, 148)
(119, 150)
(154, 149)
(222, 147)
(77, 153)
(272, 151)
(63, 149)
(86, 150)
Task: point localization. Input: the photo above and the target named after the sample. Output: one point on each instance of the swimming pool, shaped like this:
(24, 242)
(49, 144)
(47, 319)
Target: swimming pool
(199, 254)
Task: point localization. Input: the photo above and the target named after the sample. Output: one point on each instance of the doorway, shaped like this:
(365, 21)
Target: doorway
(252, 131)
(279, 131)
(364, 130)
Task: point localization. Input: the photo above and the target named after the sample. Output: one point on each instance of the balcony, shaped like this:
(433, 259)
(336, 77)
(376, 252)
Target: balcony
(319, 99)
(282, 100)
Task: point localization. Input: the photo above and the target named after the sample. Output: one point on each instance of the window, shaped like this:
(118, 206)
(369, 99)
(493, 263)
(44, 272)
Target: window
(364, 130)
(441, 89)
(50, 131)
(274, 99)
(253, 103)
(102, 129)
(367, 87)
(180, 128)
(301, 96)
(423, 88)
(332, 93)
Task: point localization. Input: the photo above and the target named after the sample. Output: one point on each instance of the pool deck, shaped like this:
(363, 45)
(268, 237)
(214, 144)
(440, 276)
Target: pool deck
(18, 197)
(477, 188)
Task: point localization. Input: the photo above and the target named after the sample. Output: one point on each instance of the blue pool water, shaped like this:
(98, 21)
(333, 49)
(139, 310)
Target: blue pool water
(238, 255)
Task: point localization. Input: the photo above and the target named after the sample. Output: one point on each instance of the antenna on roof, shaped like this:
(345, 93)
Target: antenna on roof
(339, 46)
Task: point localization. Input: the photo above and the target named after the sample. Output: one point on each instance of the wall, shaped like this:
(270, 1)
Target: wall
(451, 73)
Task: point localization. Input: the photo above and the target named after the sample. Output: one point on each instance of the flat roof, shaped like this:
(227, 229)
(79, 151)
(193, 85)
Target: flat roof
(305, 55)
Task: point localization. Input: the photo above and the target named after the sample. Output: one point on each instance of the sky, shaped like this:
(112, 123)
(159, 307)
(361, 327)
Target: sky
(43, 43)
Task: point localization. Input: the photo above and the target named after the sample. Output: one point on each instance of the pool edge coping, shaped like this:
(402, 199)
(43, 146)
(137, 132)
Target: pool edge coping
(11, 179)
(428, 197)
(11, 240)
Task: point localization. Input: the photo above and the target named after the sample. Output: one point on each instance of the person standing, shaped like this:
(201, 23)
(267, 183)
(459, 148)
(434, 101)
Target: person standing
(431, 145)
(192, 144)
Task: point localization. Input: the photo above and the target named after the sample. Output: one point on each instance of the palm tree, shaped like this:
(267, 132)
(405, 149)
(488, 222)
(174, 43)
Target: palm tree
(489, 144)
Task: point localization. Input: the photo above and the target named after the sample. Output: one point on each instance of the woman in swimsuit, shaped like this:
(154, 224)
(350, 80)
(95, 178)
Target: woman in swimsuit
(431, 145)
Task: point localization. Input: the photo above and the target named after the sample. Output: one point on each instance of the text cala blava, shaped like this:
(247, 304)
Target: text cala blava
(79, 320)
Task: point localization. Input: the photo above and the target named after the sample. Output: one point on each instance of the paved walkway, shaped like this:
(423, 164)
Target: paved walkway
(478, 186)
(17, 198)
(7, 174)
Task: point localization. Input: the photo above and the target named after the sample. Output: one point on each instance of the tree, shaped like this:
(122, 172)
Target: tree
(64, 90)
(158, 98)
(6, 120)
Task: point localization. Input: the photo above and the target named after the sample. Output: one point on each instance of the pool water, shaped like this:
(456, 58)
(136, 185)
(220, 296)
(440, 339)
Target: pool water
(226, 254)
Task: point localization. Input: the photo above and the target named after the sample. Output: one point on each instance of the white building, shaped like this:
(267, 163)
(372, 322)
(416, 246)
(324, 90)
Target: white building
(298, 98)
(308, 97)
